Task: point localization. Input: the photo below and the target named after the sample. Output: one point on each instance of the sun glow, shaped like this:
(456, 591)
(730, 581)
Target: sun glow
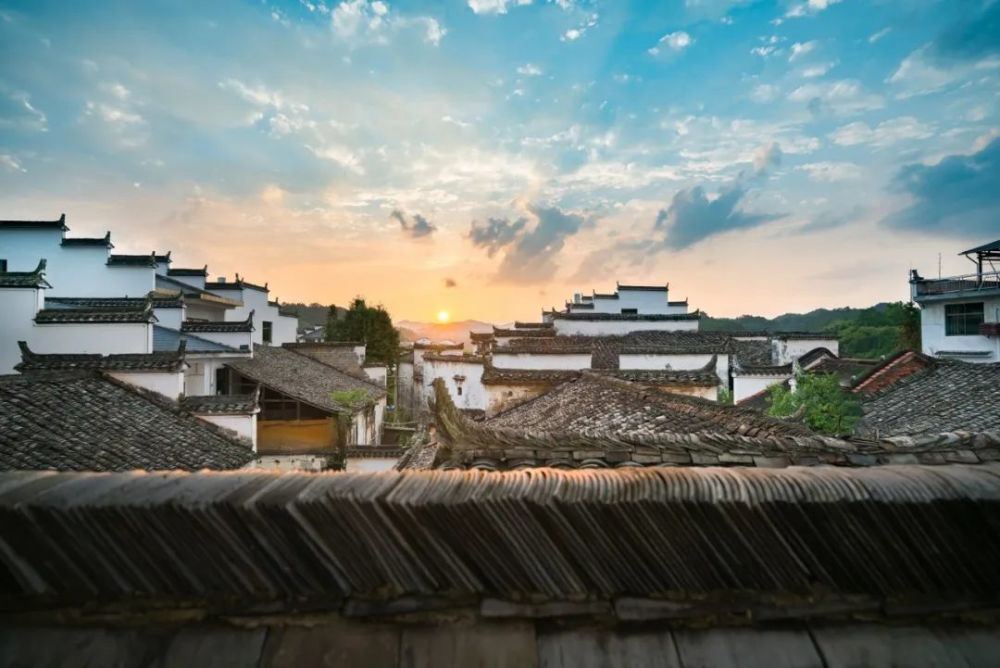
(443, 316)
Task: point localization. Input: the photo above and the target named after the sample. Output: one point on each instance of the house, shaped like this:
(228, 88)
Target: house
(635, 331)
(277, 325)
(308, 409)
(960, 315)
(84, 418)
(165, 373)
(911, 394)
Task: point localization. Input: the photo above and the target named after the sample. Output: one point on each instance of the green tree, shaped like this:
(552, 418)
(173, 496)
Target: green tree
(825, 406)
(371, 325)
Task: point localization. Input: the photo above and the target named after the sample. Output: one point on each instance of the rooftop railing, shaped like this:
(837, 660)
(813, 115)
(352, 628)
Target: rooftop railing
(968, 283)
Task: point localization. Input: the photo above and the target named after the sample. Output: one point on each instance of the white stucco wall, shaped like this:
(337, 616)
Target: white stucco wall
(574, 361)
(238, 340)
(377, 374)
(17, 313)
(934, 340)
(500, 398)
(620, 327)
(676, 361)
(193, 281)
(199, 377)
(473, 396)
(169, 385)
(285, 329)
(786, 350)
(747, 386)
(245, 426)
(169, 317)
(404, 386)
(369, 464)
(72, 271)
(104, 338)
(289, 463)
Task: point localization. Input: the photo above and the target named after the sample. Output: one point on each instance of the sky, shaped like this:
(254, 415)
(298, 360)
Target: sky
(492, 157)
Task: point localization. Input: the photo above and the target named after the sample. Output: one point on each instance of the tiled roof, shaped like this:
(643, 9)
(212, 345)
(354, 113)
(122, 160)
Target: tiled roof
(59, 224)
(890, 370)
(492, 376)
(302, 377)
(465, 564)
(222, 404)
(630, 317)
(598, 402)
(752, 353)
(193, 326)
(104, 241)
(945, 396)
(524, 333)
(814, 356)
(96, 315)
(481, 336)
(80, 420)
(165, 284)
(338, 354)
(161, 361)
(180, 271)
(162, 258)
(238, 284)
(458, 359)
(846, 369)
(122, 260)
(764, 370)
(114, 302)
(532, 325)
(166, 339)
(652, 428)
(645, 288)
(25, 279)
(438, 346)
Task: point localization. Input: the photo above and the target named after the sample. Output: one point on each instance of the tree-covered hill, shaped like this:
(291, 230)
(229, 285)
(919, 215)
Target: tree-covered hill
(868, 332)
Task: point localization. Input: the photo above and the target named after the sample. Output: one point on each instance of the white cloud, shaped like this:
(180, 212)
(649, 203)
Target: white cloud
(764, 51)
(764, 93)
(373, 21)
(917, 75)
(677, 41)
(495, 6)
(435, 31)
(831, 171)
(809, 8)
(7, 161)
(261, 96)
(16, 111)
(576, 33)
(340, 155)
(814, 71)
(840, 97)
(800, 49)
(884, 134)
(113, 115)
(874, 37)
(529, 70)
(571, 35)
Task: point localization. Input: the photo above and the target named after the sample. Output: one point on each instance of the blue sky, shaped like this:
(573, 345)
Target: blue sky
(492, 156)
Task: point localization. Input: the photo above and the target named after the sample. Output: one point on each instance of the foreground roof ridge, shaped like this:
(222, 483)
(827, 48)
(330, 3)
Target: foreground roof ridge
(25, 279)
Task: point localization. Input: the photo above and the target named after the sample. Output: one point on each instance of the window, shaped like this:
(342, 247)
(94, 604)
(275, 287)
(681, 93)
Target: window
(267, 331)
(222, 380)
(459, 390)
(3, 265)
(963, 319)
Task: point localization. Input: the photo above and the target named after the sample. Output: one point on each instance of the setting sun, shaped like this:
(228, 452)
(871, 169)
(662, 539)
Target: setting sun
(443, 316)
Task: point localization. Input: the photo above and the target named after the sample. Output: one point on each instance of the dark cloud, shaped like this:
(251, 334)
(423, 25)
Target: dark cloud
(692, 217)
(975, 35)
(450, 283)
(530, 252)
(495, 233)
(417, 227)
(960, 194)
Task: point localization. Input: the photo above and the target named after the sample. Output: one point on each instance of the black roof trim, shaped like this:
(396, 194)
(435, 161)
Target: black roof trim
(188, 272)
(89, 241)
(36, 224)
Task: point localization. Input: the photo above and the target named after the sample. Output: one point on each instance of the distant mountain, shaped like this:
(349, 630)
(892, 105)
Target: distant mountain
(309, 314)
(814, 321)
(458, 332)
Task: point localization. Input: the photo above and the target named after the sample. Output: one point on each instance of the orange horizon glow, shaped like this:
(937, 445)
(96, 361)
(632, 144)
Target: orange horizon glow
(443, 316)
